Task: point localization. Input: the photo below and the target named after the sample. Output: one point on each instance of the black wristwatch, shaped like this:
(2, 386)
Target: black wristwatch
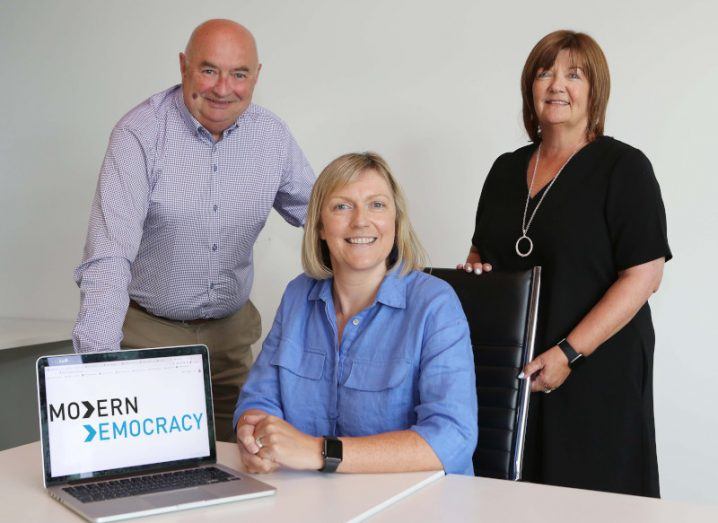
(332, 454)
(574, 358)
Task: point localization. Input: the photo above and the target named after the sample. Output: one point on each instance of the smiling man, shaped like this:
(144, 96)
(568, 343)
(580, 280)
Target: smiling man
(189, 178)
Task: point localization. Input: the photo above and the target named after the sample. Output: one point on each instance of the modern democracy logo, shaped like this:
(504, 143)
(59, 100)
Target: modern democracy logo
(126, 428)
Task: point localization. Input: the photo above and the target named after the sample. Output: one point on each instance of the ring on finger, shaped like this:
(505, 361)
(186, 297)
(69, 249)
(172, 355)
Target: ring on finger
(258, 441)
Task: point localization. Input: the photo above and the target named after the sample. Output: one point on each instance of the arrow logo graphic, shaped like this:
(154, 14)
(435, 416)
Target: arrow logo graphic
(89, 409)
(90, 432)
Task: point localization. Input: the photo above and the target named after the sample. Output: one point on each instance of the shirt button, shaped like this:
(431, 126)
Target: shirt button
(215, 208)
(355, 322)
(214, 168)
(214, 247)
(211, 285)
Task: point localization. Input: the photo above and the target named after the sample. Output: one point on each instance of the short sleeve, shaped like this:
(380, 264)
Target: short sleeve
(635, 214)
(485, 191)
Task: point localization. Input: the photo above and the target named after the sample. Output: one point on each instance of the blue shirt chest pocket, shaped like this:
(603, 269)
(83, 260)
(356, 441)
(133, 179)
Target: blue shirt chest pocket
(377, 397)
(305, 364)
(303, 392)
(374, 376)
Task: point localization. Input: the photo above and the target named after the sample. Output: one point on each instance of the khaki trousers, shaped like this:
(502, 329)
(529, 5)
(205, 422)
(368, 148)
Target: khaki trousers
(229, 341)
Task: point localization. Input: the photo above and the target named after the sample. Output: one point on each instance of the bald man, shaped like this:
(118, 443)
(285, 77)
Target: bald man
(189, 178)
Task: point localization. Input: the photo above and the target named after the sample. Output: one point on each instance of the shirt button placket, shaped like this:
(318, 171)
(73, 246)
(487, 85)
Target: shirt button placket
(214, 223)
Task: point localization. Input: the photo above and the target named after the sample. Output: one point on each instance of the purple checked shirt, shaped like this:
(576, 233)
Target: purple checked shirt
(176, 214)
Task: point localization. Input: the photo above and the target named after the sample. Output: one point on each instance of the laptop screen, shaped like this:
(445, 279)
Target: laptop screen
(121, 412)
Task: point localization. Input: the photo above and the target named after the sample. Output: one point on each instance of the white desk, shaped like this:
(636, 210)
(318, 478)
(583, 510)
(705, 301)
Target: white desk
(384, 498)
(301, 496)
(20, 332)
(461, 498)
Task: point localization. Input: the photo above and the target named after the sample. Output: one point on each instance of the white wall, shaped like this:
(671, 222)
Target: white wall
(433, 87)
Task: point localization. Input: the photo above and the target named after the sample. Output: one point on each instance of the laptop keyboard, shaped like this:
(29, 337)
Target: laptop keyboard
(137, 485)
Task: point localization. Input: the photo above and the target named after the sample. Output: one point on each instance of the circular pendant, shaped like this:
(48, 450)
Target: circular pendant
(518, 248)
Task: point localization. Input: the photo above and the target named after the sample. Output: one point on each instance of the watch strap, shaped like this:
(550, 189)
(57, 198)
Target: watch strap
(572, 354)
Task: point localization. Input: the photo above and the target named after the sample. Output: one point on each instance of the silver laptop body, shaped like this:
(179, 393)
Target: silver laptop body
(107, 417)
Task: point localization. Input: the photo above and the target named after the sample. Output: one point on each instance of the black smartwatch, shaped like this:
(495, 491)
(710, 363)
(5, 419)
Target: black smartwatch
(332, 454)
(574, 358)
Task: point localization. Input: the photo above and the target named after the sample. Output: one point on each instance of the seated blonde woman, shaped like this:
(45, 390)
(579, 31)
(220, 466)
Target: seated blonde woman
(368, 366)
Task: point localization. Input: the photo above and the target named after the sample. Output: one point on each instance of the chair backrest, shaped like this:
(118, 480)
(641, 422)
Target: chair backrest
(501, 309)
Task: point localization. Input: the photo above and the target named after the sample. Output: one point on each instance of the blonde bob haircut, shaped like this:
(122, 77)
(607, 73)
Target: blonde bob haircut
(587, 55)
(407, 252)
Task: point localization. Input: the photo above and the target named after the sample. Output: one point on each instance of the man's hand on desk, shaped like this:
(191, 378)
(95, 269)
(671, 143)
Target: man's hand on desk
(265, 442)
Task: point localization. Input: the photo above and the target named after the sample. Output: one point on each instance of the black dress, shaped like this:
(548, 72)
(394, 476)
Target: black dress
(603, 214)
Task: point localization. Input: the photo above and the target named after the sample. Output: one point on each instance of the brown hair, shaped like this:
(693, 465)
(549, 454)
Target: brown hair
(407, 252)
(587, 55)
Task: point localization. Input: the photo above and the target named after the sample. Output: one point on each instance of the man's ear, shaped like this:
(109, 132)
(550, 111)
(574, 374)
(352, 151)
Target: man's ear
(183, 64)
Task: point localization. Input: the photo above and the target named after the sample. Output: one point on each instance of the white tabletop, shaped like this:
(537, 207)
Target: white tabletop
(301, 496)
(422, 497)
(461, 498)
(20, 332)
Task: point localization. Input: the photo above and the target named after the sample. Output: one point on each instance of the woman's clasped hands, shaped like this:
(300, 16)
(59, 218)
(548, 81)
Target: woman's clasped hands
(265, 442)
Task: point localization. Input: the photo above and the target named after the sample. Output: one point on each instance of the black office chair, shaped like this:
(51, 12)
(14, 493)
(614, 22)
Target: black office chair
(501, 309)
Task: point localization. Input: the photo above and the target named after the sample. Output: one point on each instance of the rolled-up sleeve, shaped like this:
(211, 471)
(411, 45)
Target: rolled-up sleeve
(447, 415)
(261, 391)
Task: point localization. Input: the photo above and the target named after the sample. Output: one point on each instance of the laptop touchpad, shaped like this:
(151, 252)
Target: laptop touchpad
(177, 497)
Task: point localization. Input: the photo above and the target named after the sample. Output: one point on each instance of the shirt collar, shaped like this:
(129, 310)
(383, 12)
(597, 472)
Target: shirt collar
(192, 122)
(392, 291)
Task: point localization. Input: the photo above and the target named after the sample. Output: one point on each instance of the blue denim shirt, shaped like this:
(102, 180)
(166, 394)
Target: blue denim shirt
(405, 362)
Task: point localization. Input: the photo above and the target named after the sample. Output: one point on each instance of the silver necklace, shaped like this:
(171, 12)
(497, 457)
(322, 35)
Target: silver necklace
(525, 226)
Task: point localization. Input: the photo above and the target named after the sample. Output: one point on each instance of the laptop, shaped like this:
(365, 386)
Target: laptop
(131, 433)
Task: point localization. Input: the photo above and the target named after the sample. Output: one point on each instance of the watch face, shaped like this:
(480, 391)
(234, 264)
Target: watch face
(333, 448)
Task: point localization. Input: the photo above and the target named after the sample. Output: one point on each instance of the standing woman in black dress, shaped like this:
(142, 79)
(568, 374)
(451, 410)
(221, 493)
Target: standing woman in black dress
(588, 209)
